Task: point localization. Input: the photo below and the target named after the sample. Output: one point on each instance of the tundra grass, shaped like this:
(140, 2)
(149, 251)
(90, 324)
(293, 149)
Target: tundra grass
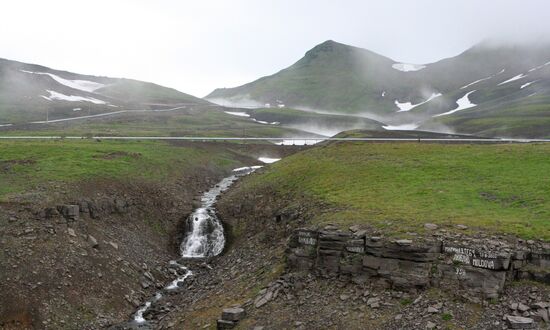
(402, 186)
(26, 164)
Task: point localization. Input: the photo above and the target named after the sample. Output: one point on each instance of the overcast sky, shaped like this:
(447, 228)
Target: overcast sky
(198, 45)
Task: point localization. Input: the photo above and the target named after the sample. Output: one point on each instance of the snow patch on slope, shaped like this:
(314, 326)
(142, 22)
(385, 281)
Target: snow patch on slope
(519, 76)
(268, 160)
(527, 84)
(463, 103)
(406, 67)
(475, 82)
(402, 127)
(407, 106)
(83, 85)
(265, 122)
(238, 114)
(482, 79)
(70, 98)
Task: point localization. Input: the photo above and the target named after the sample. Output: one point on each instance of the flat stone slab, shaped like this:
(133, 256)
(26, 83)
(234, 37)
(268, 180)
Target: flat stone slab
(518, 322)
(233, 314)
(223, 324)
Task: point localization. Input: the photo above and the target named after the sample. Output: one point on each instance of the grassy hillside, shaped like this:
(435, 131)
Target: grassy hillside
(191, 121)
(331, 76)
(146, 93)
(400, 135)
(23, 88)
(398, 188)
(28, 165)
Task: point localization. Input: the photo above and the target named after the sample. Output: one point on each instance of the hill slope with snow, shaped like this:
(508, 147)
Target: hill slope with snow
(31, 92)
(490, 89)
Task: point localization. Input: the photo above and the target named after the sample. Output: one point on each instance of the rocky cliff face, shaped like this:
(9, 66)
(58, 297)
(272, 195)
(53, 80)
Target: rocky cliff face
(480, 272)
(88, 256)
(361, 278)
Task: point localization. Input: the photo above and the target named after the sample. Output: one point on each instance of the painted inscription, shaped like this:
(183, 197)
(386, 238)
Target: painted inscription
(356, 249)
(475, 258)
(307, 238)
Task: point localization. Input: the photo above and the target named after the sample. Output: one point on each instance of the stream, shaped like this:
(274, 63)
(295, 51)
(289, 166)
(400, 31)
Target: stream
(204, 238)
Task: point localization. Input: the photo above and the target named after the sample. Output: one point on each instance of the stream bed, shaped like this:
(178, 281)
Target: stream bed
(204, 237)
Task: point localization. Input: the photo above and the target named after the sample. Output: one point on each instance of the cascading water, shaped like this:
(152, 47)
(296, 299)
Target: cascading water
(204, 236)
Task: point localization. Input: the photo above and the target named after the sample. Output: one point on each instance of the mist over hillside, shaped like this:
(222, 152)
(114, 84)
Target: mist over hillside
(31, 92)
(485, 90)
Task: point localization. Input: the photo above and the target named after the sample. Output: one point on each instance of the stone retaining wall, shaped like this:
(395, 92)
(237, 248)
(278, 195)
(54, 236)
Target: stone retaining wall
(407, 264)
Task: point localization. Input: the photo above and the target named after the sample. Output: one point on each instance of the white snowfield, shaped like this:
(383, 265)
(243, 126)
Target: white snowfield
(407, 106)
(5, 125)
(70, 98)
(463, 103)
(268, 160)
(519, 76)
(406, 67)
(240, 114)
(83, 85)
(402, 127)
(527, 84)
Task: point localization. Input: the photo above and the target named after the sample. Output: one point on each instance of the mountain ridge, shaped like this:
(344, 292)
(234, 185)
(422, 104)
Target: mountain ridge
(338, 78)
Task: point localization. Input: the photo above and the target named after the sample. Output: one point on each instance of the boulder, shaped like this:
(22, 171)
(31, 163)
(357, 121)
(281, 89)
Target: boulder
(523, 308)
(93, 242)
(223, 324)
(233, 314)
(543, 314)
(70, 212)
(430, 226)
(519, 322)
